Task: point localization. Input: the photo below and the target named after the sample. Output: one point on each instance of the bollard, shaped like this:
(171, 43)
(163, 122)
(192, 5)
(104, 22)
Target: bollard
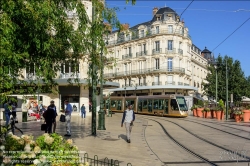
(24, 117)
(101, 121)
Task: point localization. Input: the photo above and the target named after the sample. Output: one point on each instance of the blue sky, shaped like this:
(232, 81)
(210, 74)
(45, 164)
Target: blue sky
(209, 23)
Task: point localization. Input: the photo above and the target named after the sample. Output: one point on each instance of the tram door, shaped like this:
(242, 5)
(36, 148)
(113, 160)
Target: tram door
(166, 106)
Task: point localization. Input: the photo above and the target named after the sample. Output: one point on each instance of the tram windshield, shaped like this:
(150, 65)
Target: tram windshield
(182, 103)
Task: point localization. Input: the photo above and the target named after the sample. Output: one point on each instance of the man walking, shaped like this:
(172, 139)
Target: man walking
(68, 112)
(52, 106)
(83, 111)
(7, 113)
(128, 119)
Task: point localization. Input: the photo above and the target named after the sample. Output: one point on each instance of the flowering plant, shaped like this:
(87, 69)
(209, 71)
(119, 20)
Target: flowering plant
(45, 150)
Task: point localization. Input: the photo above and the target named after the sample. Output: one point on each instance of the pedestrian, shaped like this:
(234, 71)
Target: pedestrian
(7, 113)
(128, 119)
(83, 111)
(52, 106)
(32, 113)
(49, 116)
(68, 112)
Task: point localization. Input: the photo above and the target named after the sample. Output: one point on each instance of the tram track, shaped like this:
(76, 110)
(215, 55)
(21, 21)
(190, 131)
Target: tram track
(198, 137)
(219, 129)
(217, 124)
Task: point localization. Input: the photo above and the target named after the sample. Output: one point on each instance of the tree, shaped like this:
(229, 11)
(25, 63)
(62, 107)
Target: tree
(38, 36)
(237, 83)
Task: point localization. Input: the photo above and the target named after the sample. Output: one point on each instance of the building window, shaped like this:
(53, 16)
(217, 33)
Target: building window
(170, 64)
(139, 81)
(170, 80)
(125, 68)
(157, 46)
(157, 63)
(157, 30)
(156, 80)
(129, 51)
(142, 33)
(125, 81)
(144, 48)
(170, 44)
(144, 81)
(170, 29)
(129, 81)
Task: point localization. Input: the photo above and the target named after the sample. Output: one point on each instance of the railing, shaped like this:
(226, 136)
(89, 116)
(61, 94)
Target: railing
(173, 51)
(69, 75)
(180, 83)
(142, 53)
(186, 84)
(95, 161)
(30, 76)
(147, 34)
(156, 51)
(169, 83)
(156, 83)
(127, 56)
(145, 71)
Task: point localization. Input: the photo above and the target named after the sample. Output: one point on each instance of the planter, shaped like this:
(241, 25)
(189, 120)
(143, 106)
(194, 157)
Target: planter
(204, 114)
(194, 112)
(218, 115)
(237, 118)
(199, 112)
(208, 114)
(213, 114)
(222, 115)
(246, 115)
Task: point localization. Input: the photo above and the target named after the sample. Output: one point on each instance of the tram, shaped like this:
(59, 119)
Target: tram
(160, 105)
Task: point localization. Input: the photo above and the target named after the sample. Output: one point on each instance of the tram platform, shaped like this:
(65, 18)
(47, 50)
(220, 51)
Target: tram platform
(150, 146)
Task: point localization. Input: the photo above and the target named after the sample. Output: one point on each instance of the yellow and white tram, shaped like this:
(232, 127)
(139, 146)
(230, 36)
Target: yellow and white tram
(161, 105)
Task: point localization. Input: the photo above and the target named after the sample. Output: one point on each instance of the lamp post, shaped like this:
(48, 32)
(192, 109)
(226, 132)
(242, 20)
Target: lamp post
(226, 92)
(101, 124)
(216, 83)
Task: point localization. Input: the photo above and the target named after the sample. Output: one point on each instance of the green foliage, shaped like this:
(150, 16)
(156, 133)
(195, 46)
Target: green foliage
(220, 106)
(238, 85)
(46, 150)
(194, 107)
(206, 109)
(200, 104)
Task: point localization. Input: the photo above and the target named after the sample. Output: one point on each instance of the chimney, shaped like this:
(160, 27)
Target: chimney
(155, 10)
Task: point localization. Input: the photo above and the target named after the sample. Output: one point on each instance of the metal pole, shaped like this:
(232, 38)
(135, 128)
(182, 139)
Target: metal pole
(93, 75)
(101, 124)
(216, 86)
(125, 91)
(226, 93)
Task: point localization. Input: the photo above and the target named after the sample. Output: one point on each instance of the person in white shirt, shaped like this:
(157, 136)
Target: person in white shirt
(128, 119)
(32, 113)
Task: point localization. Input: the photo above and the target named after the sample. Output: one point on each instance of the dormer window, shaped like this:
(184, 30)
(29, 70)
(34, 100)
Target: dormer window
(158, 18)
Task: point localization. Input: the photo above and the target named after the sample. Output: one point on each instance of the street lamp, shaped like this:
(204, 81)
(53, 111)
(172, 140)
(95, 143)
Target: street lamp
(216, 83)
(101, 124)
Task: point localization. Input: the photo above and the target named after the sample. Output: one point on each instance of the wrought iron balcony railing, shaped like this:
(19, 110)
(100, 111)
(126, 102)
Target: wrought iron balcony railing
(169, 83)
(145, 71)
(156, 83)
(142, 53)
(180, 51)
(180, 83)
(69, 75)
(170, 51)
(156, 51)
(127, 56)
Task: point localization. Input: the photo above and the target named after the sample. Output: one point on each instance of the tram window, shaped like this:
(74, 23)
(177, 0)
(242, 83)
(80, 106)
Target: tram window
(182, 103)
(166, 106)
(156, 104)
(106, 104)
(140, 102)
(113, 103)
(130, 102)
(149, 105)
(145, 104)
(161, 104)
(119, 105)
(174, 105)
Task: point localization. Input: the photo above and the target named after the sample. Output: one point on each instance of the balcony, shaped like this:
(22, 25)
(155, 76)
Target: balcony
(69, 75)
(156, 51)
(173, 51)
(186, 84)
(169, 83)
(142, 84)
(147, 34)
(145, 71)
(180, 83)
(156, 83)
(127, 56)
(142, 53)
(31, 76)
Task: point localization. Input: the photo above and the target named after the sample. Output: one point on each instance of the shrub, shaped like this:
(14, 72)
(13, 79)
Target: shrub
(45, 150)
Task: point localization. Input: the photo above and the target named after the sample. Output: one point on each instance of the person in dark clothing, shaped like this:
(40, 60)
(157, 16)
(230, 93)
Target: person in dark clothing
(49, 116)
(52, 106)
